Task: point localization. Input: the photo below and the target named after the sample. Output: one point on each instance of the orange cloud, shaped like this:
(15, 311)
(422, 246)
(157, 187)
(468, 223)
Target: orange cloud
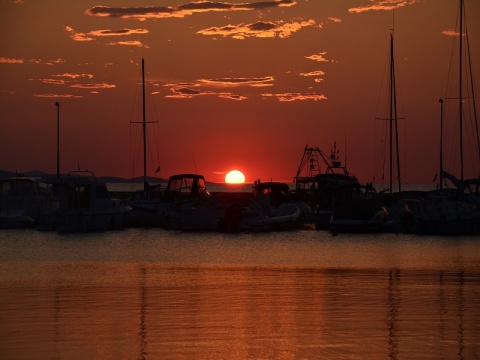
(382, 5)
(57, 96)
(4, 60)
(190, 90)
(313, 73)
(450, 32)
(180, 11)
(263, 81)
(93, 86)
(318, 57)
(336, 20)
(130, 43)
(185, 92)
(47, 62)
(260, 29)
(288, 97)
(74, 75)
(53, 81)
(90, 36)
(316, 73)
(231, 96)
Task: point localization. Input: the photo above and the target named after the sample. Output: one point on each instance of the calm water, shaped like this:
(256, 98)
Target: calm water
(153, 294)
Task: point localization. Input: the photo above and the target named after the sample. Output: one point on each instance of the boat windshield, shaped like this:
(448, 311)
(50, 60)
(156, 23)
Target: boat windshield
(187, 185)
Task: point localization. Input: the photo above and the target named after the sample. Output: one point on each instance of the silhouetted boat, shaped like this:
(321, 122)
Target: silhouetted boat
(451, 211)
(322, 191)
(270, 208)
(19, 202)
(456, 211)
(82, 203)
(188, 205)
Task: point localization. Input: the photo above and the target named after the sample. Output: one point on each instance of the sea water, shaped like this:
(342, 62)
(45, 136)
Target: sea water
(156, 294)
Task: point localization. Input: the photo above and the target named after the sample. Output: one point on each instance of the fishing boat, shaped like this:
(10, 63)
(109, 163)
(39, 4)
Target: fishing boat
(20, 199)
(82, 203)
(321, 189)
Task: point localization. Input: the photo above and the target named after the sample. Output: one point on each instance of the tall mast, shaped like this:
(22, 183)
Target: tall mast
(474, 107)
(441, 143)
(392, 76)
(144, 123)
(393, 119)
(460, 90)
(57, 104)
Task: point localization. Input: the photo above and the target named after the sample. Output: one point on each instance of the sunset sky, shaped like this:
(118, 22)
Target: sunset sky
(231, 84)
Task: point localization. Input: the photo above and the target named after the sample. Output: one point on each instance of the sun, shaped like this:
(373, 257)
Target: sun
(235, 177)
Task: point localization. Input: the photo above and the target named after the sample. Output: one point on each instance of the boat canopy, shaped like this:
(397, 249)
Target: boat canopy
(183, 185)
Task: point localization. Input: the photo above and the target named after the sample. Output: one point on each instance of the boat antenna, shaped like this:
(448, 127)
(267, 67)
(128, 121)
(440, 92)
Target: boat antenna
(194, 164)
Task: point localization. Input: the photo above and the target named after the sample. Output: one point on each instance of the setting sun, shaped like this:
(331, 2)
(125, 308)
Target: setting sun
(235, 177)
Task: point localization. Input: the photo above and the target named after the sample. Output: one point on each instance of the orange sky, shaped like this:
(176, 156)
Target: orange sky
(233, 84)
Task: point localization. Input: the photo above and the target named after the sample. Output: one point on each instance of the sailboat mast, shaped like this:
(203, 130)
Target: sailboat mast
(393, 119)
(144, 129)
(397, 146)
(441, 143)
(473, 95)
(460, 90)
(392, 76)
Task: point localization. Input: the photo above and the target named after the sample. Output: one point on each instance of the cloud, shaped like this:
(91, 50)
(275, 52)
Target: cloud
(74, 75)
(191, 90)
(260, 29)
(317, 74)
(93, 86)
(185, 91)
(261, 81)
(313, 73)
(334, 19)
(382, 5)
(90, 36)
(450, 32)
(57, 96)
(121, 32)
(129, 43)
(180, 11)
(4, 60)
(319, 57)
(288, 97)
(209, 87)
(64, 76)
(47, 62)
(231, 96)
(53, 81)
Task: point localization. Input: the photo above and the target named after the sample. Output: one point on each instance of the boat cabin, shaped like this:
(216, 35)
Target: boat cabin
(185, 186)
